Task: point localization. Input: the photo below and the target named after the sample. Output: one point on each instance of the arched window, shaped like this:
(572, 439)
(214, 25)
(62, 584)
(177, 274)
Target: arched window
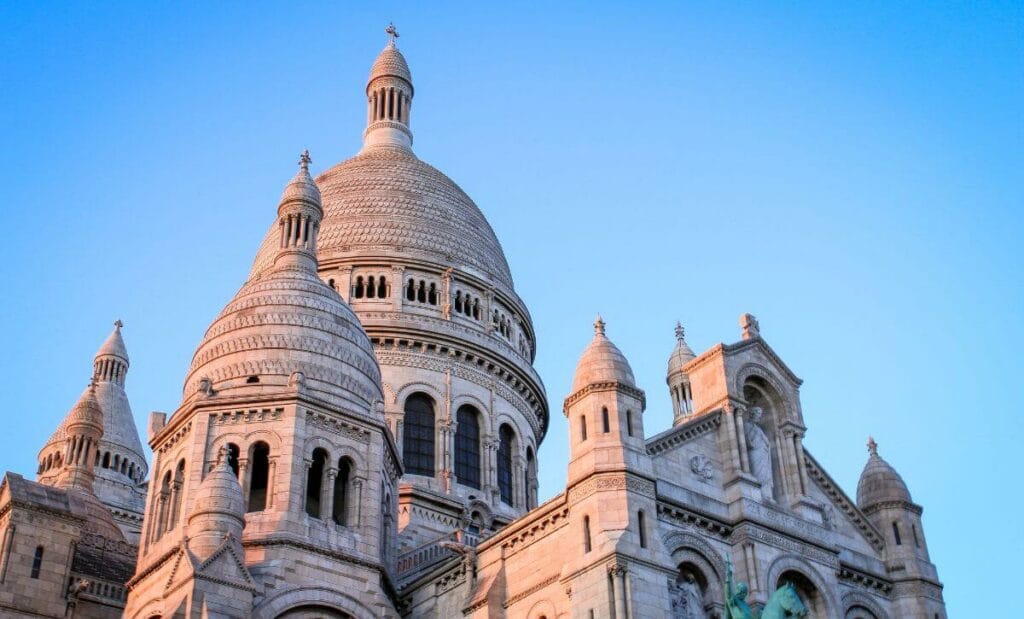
(432, 295)
(37, 562)
(410, 290)
(371, 288)
(233, 453)
(605, 425)
(458, 301)
(176, 492)
(163, 513)
(382, 287)
(629, 422)
(586, 534)
(896, 533)
(583, 427)
(359, 289)
(340, 492)
(259, 480)
(315, 482)
(641, 528)
(809, 594)
(467, 446)
(124, 466)
(505, 438)
(531, 478)
(418, 436)
(421, 293)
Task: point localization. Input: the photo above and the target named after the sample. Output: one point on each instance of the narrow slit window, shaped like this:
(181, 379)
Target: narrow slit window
(37, 562)
(604, 420)
(896, 533)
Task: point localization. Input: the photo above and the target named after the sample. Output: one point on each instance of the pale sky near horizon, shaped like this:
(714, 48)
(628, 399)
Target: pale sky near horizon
(851, 175)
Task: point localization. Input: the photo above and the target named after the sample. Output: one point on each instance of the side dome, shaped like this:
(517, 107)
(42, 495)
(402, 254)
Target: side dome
(879, 482)
(602, 362)
(219, 495)
(287, 328)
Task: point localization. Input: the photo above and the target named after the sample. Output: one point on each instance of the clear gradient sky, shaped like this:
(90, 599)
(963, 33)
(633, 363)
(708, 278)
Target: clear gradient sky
(854, 176)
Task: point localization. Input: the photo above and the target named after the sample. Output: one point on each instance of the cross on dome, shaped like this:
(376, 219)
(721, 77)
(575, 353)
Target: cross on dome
(305, 160)
(392, 34)
(599, 325)
(680, 331)
(872, 446)
(118, 324)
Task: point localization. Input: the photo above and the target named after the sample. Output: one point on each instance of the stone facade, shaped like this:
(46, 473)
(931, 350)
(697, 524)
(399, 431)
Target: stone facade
(358, 436)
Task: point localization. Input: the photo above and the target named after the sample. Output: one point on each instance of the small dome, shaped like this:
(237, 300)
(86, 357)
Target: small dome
(391, 63)
(97, 516)
(219, 494)
(114, 345)
(681, 354)
(302, 187)
(879, 482)
(602, 362)
(86, 411)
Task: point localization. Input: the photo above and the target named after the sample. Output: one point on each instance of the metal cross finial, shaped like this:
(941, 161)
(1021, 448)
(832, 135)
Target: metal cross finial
(680, 331)
(599, 325)
(118, 324)
(305, 160)
(872, 446)
(392, 32)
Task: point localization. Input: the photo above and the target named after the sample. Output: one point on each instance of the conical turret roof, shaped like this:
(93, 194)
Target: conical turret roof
(602, 362)
(114, 344)
(879, 482)
(681, 354)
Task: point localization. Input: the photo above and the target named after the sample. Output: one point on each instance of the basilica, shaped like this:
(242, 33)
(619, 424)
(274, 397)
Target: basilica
(357, 438)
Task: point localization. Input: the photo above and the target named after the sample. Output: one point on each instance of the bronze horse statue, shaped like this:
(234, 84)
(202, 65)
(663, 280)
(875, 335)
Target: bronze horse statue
(784, 602)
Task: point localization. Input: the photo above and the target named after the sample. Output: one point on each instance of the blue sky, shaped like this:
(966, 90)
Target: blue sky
(849, 174)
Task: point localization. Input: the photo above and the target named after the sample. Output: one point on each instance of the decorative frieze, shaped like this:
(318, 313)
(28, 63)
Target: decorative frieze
(337, 425)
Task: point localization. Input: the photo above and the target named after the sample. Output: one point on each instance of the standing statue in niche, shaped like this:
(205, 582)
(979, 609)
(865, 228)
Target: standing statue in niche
(689, 603)
(759, 449)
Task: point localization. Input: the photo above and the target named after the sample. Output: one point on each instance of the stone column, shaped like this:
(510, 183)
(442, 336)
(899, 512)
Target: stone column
(244, 478)
(327, 493)
(397, 287)
(355, 506)
(741, 434)
(730, 428)
(618, 573)
(345, 283)
(780, 454)
(801, 469)
(271, 480)
(446, 291)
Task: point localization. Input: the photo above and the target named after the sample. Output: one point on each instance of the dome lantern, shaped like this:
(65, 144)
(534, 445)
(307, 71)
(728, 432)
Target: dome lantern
(389, 95)
(677, 379)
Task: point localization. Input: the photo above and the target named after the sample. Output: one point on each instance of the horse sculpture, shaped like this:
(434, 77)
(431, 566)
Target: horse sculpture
(784, 602)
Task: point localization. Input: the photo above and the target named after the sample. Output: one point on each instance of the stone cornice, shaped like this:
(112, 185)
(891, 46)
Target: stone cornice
(854, 577)
(848, 507)
(612, 385)
(759, 342)
(683, 433)
(907, 505)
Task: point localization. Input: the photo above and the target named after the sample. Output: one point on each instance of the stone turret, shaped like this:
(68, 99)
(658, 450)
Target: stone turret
(884, 498)
(82, 430)
(677, 379)
(218, 510)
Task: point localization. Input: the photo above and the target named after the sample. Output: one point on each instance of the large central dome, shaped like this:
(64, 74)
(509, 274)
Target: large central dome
(386, 200)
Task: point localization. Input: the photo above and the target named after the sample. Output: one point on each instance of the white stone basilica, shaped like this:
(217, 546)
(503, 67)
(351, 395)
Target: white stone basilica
(358, 434)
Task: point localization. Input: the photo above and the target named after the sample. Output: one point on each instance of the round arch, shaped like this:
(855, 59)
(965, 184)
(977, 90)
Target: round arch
(783, 397)
(794, 563)
(313, 597)
(857, 605)
(543, 609)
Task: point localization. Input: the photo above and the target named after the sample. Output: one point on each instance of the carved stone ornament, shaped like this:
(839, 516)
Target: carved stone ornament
(702, 467)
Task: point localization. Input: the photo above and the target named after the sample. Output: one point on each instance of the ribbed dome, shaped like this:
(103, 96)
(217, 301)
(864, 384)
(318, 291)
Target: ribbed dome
(392, 63)
(681, 354)
(602, 362)
(302, 186)
(879, 482)
(288, 329)
(386, 201)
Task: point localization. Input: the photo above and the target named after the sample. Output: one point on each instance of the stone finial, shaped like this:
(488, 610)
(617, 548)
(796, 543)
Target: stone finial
(222, 455)
(872, 446)
(680, 331)
(751, 328)
(598, 325)
(305, 160)
(118, 324)
(392, 34)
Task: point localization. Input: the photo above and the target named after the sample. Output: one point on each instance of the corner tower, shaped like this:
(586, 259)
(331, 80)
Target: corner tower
(421, 267)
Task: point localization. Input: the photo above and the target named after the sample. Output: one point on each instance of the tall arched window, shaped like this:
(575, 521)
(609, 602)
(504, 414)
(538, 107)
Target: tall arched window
(505, 438)
(531, 478)
(641, 528)
(163, 513)
(586, 534)
(259, 480)
(341, 492)
(605, 424)
(37, 562)
(233, 458)
(315, 481)
(467, 446)
(583, 427)
(177, 488)
(629, 422)
(418, 435)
